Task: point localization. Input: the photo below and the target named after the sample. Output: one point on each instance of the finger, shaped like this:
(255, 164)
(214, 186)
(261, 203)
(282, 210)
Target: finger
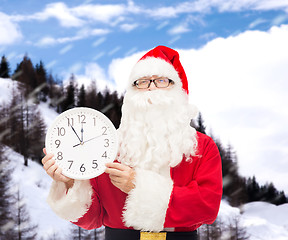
(59, 176)
(48, 164)
(114, 172)
(116, 165)
(47, 158)
(44, 151)
(51, 170)
(116, 179)
(116, 184)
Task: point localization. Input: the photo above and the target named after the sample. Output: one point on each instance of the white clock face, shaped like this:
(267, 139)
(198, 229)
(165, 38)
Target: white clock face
(82, 141)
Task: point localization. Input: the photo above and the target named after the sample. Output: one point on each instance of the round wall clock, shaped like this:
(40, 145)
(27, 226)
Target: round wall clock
(82, 141)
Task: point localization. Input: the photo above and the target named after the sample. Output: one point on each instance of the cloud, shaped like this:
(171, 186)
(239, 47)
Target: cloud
(82, 34)
(128, 27)
(206, 6)
(57, 10)
(244, 80)
(10, 32)
(239, 84)
(179, 29)
(100, 13)
(257, 22)
(93, 72)
(66, 49)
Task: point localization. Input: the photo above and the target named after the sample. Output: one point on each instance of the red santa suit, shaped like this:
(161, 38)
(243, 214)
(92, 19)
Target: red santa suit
(181, 193)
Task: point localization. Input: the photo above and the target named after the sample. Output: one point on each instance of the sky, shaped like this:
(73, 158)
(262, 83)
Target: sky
(234, 53)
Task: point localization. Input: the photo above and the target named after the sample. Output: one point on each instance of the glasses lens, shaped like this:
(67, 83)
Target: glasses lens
(142, 83)
(161, 82)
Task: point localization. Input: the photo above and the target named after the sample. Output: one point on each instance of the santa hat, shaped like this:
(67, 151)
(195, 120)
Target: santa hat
(161, 61)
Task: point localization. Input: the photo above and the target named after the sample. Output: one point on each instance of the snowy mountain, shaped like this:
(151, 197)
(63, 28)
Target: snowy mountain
(261, 220)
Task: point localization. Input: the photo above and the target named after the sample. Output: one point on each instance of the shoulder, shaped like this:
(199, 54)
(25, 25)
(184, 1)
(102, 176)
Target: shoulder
(205, 144)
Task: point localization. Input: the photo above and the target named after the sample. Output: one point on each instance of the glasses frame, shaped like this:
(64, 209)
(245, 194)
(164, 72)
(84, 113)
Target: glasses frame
(152, 80)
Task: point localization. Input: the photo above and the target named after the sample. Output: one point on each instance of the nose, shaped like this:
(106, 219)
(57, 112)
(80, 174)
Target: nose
(152, 86)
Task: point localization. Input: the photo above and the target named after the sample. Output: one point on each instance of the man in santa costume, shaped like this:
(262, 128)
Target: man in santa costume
(167, 179)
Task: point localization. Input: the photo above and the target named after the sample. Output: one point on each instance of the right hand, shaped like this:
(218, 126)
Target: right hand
(54, 171)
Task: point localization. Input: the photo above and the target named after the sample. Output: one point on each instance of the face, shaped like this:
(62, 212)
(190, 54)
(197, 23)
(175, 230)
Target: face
(152, 85)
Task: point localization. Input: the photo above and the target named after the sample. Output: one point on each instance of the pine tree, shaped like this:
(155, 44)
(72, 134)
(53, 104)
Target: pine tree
(25, 229)
(42, 82)
(200, 124)
(7, 230)
(236, 231)
(81, 102)
(69, 100)
(4, 68)
(25, 74)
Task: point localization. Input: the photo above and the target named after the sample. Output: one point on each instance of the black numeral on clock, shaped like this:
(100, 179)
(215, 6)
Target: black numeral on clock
(61, 131)
(70, 122)
(71, 163)
(104, 155)
(57, 143)
(82, 168)
(59, 156)
(104, 130)
(81, 118)
(94, 164)
(106, 142)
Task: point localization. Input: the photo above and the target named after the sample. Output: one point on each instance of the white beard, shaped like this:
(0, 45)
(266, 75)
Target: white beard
(155, 131)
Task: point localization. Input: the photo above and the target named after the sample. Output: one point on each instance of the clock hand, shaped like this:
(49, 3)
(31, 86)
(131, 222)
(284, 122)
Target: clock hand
(82, 133)
(81, 143)
(76, 133)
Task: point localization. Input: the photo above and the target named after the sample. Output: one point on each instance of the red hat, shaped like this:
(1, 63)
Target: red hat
(161, 61)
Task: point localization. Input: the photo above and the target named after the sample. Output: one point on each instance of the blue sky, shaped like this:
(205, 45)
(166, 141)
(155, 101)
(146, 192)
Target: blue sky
(234, 53)
(67, 35)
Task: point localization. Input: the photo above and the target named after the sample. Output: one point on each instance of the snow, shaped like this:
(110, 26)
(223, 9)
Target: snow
(261, 220)
(34, 185)
(6, 86)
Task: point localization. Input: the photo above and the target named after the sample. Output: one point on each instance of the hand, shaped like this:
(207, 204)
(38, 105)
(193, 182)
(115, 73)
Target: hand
(54, 171)
(121, 176)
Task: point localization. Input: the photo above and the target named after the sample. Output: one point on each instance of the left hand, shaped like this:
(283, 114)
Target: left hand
(121, 176)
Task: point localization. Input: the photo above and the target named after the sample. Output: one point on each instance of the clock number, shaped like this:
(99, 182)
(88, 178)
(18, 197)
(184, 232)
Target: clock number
(81, 118)
(95, 164)
(105, 130)
(61, 131)
(104, 154)
(59, 155)
(70, 122)
(57, 142)
(94, 121)
(106, 143)
(71, 162)
(82, 168)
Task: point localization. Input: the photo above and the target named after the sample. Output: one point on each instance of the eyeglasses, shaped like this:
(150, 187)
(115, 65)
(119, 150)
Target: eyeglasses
(161, 82)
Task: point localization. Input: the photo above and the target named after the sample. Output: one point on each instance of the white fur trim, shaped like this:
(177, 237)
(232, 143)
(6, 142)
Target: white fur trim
(75, 203)
(154, 66)
(147, 203)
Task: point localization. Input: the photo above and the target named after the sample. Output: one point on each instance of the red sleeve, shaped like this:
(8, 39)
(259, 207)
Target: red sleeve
(93, 218)
(197, 200)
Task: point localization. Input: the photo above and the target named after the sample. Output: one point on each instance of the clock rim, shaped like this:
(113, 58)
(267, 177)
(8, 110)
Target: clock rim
(75, 109)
